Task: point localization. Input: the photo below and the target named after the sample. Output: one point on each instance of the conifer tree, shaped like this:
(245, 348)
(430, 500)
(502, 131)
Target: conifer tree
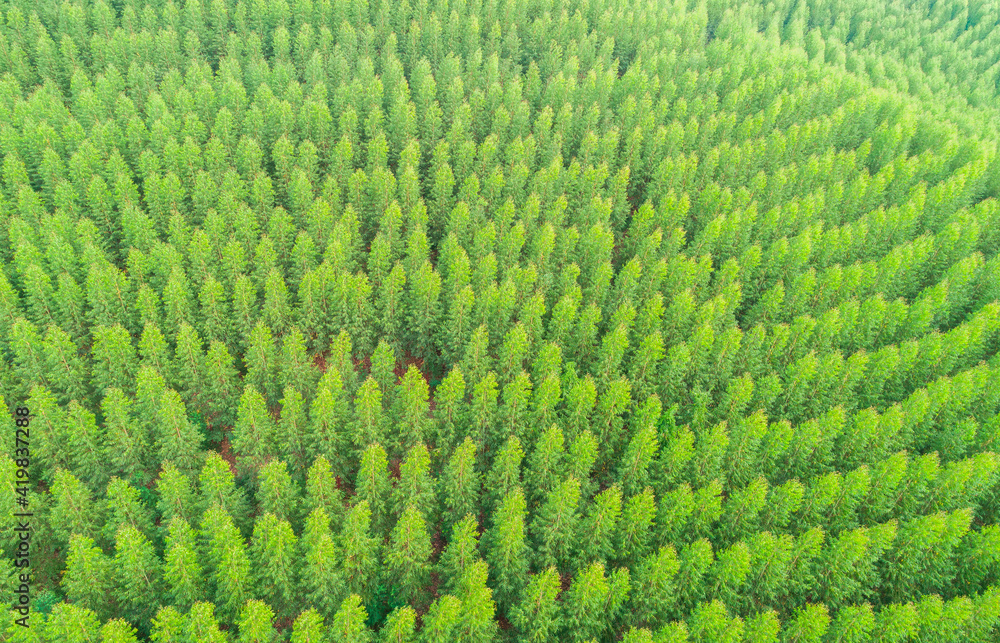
(416, 486)
(308, 627)
(555, 524)
(360, 549)
(127, 440)
(348, 624)
(272, 557)
(182, 570)
(138, 573)
(537, 617)
(220, 385)
(114, 359)
(256, 623)
(321, 580)
(460, 552)
(261, 362)
(177, 440)
(407, 557)
(292, 429)
(322, 491)
(460, 484)
(87, 580)
(255, 432)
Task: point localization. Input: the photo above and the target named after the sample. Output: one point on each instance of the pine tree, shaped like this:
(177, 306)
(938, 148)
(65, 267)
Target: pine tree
(460, 484)
(278, 494)
(308, 628)
(321, 581)
(537, 617)
(272, 557)
(261, 362)
(407, 558)
(177, 440)
(74, 510)
(217, 489)
(322, 491)
(599, 527)
(220, 385)
(411, 410)
(124, 506)
(138, 573)
(593, 600)
(114, 361)
(127, 440)
(416, 486)
(506, 548)
(400, 626)
(255, 432)
(476, 622)
(360, 550)
(292, 427)
(175, 495)
(348, 624)
(87, 578)
(182, 570)
(87, 445)
(462, 550)
(202, 624)
(329, 415)
(64, 368)
(555, 524)
(369, 423)
(257, 623)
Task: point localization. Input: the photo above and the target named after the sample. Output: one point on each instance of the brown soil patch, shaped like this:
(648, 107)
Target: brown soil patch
(319, 359)
(226, 451)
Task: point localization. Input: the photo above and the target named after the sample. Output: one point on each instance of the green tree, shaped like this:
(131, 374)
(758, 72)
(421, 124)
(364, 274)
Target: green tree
(257, 623)
(87, 580)
(506, 548)
(255, 431)
(537, 616)
(273, 559)
(182, 570)
(348, 624)
(459, 484)
(407, 557)
(138, 572)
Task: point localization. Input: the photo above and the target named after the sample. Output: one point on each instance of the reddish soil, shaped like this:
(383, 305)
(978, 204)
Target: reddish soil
(320, 361)
(227, 453)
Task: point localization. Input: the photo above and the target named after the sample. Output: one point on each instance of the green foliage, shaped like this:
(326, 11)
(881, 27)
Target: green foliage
(543, 321)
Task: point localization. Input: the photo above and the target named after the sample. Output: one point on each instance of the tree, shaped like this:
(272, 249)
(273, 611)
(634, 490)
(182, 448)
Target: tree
(537, 615)
(348, 624)
(278, 494)
(369, 423)
(138, 572)
(257, 623)
(593, 600)
(114, 361)
(220, 384)
(412, 410)
(322, 491)
(441, 620)
(293, 427)
(87, 579)
(555, 525)
(182, 570)
(124, 506)
(372, 485)
(217, 489)
(506, 548)
(64, 369)
(255, 432)
(407, 559)
(400, 626)
(460, 484)
(261, 362)
(177, 440)
(599, 526)
(321, 580)
(308, 628)
(416, 486)
(73, 510)
(202, 624)
(461, 551)
(127, 440)
(273, 556)
(360, 550)
(476, 622)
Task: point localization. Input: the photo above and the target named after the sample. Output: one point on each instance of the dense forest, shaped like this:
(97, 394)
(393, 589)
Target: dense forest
(433, 321)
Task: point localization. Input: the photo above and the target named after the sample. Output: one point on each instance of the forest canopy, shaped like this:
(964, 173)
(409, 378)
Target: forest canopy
(432, 321)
